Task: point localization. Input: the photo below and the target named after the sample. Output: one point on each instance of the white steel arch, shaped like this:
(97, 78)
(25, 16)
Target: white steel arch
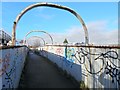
(48, 5)
(36, 37)
(38, 31)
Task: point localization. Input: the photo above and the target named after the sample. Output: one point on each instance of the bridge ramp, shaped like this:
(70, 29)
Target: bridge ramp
(41, 73)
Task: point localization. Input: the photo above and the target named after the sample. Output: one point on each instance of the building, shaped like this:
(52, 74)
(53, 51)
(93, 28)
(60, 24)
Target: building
(4, 38)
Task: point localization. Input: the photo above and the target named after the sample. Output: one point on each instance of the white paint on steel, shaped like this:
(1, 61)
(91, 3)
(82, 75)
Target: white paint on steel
(48, 5)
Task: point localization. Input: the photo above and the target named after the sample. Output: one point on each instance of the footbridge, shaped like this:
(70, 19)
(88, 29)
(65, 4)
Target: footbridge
(58, 66)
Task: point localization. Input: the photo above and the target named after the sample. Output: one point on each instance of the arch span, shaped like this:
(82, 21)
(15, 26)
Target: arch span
(38, 31)
(36, 37)
(48, 5)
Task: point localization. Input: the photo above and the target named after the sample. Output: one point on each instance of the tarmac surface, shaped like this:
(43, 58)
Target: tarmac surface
(39, 72)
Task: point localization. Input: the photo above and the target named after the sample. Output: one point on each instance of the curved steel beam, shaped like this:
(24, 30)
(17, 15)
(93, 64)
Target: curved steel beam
(36, 37)
(38, 31)
(48, 5)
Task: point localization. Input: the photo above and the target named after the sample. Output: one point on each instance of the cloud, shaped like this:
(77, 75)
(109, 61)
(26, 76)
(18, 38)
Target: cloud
(46, 16)
(98, 32)
(116, 21)
(40, 8)
(40, 12)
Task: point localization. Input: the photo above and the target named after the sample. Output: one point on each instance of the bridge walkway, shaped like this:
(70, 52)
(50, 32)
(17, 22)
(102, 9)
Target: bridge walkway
(41, 73)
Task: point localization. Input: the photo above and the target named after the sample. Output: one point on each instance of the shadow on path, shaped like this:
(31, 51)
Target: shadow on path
(41, 73)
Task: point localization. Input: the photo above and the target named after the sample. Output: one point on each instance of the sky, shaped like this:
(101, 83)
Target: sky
(60, 0)
(101, 19)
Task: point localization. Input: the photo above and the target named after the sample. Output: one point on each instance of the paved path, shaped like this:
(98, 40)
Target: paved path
(40, 73)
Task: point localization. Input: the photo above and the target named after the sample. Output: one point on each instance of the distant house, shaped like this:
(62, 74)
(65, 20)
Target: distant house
(4, 38)
(78, 44)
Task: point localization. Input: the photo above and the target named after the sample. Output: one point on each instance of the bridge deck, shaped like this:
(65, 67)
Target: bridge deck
(41, 73)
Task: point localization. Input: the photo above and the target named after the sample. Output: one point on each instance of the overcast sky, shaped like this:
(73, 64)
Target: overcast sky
(101, 19)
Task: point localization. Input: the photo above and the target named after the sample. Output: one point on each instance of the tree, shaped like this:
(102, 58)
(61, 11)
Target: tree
(65, 41)
(36, 43)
